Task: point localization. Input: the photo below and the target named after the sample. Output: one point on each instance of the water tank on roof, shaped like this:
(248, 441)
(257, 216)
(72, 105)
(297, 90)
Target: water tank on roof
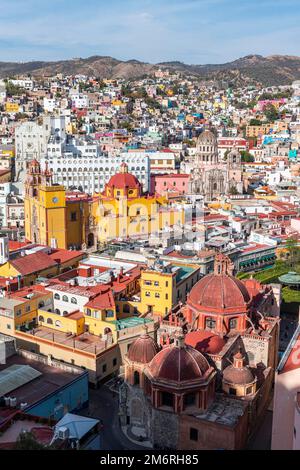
(7, 401)
(63, 432)
(13, 402)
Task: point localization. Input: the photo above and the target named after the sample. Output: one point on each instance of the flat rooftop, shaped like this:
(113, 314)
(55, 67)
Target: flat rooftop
(224, 410)
(108, 263)
(131, 322)
(50, 380)
(84, 342)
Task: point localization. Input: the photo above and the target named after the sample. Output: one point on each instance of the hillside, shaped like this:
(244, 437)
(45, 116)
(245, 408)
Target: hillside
(271, 70)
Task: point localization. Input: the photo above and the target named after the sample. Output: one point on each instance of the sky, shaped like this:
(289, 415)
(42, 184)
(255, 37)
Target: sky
(191, 31)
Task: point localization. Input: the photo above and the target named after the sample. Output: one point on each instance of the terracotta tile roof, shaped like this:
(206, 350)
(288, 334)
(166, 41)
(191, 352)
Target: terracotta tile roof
(15, 245)
(61, 256)
(104, 300)
(33, 263)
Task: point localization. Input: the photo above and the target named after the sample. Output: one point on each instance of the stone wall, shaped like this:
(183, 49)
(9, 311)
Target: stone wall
(165, 430)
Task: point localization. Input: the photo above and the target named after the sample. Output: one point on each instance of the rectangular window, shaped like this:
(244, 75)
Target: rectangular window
(104, 367)
(193, 434)
(18, 312)
(156, 283)
(114, 361)
(8, 327)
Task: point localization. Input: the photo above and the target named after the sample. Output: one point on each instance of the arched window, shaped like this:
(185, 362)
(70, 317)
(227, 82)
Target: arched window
(65, 313)
(41, 318)
(58, 323)
(136, 378)
(73, 300)
(49, 321)
(57, 311)
(65, 298)
(41, 304)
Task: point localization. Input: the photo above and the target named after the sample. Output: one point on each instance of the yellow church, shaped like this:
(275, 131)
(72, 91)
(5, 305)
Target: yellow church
(59, 219)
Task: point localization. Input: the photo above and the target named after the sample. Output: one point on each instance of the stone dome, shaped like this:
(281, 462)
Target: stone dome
(178, 364)
(238, 373)
(207, 138)
(205, 341)
(143, 349)
(236, 376)
(219, 292)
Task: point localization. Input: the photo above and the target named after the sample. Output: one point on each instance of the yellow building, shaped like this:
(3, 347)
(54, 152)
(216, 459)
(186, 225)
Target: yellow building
(55, 219)
(164, 288)
(20, 309)
(45, 209)
(72, 323)
(12, 107)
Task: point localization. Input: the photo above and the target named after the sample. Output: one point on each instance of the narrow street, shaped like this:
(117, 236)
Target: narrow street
(104, 406)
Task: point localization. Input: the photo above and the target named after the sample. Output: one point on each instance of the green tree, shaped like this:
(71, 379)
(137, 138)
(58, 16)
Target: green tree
(233, 191)
(247, 156)
(293, 251)
(13, 90)
(27, 441)
(271, 112)
(255, 122)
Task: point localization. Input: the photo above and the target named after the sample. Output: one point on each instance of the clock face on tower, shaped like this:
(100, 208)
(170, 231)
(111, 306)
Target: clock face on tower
(55, 200)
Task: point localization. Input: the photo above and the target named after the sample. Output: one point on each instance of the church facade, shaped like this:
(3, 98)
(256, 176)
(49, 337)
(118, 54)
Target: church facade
(209, 176)
(62, 219)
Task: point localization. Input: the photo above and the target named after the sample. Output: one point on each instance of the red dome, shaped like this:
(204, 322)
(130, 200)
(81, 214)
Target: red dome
(123, 180)
(205, 341)
(219, 292)
(178, 364)
(143, 349)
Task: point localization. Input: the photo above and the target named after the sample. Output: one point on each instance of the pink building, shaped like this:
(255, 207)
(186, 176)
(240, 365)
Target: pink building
(174, 184)
(286, 406)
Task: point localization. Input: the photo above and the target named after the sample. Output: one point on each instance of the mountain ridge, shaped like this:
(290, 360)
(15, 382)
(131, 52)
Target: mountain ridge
(276, 69)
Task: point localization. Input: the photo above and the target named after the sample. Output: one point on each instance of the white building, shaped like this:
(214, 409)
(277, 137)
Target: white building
(82, 165)
(23, 83)
(50, 104)
(80, 101)
(11, 206)
(160, 161)
(2, 91)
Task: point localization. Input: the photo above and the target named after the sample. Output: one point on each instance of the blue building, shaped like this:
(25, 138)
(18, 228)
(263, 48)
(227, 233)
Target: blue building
(42, 386)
